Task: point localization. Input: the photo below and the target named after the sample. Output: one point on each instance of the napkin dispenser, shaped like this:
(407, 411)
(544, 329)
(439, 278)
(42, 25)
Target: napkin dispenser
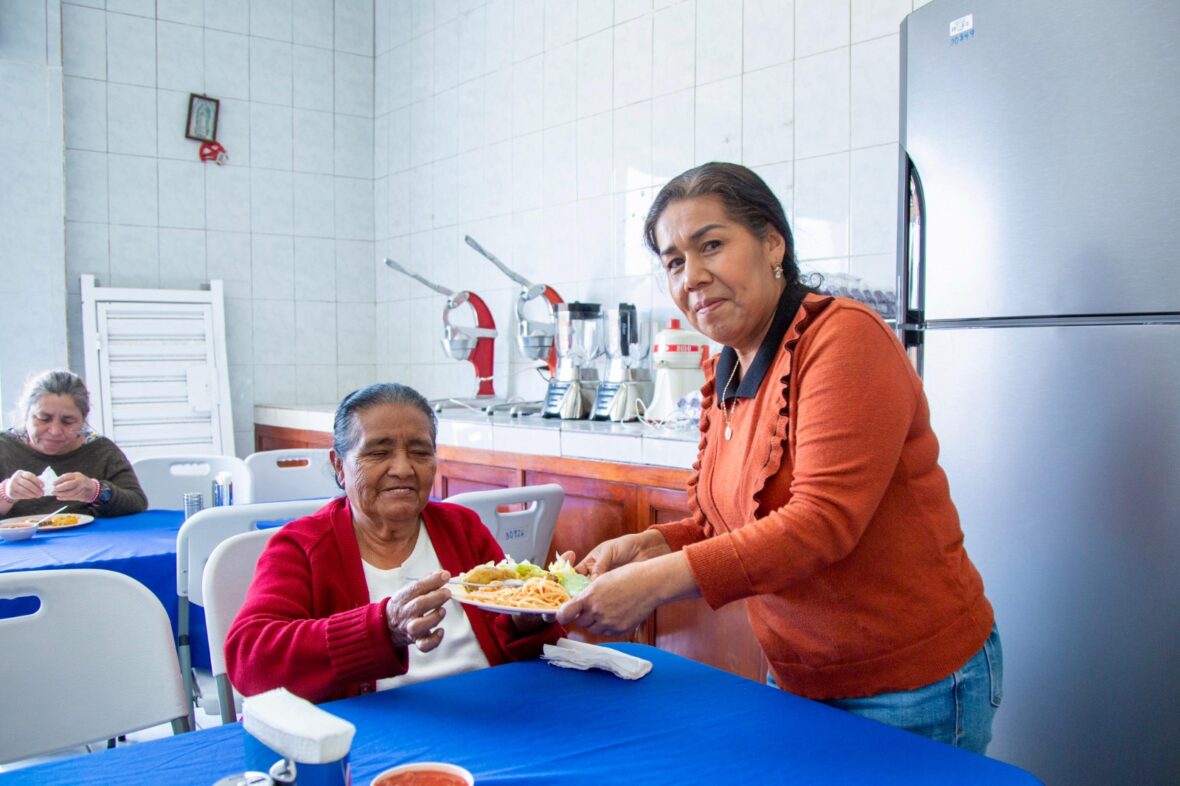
(295, 742)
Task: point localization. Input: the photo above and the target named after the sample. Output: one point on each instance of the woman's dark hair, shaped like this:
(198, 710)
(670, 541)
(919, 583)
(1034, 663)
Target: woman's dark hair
(747, 200)
(346, 430)
(57, 382)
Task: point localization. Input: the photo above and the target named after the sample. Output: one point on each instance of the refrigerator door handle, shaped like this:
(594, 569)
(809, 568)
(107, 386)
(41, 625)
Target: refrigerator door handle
(912, 256)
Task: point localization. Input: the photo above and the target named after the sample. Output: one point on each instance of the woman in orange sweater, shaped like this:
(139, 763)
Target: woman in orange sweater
(817, 497)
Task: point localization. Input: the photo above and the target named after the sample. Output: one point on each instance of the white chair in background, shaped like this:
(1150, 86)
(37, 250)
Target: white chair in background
(166, 479)
(95, 661)
(278, 475)
(195, 541)
(228, 574)
(523, 534)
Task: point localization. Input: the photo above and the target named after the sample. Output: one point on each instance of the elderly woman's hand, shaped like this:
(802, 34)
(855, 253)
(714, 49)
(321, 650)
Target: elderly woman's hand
(23, 485)
(75, 487)
(414, 613)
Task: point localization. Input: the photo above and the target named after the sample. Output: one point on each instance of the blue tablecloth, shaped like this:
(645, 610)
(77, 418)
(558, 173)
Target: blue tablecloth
(531, 724)
(142, 546)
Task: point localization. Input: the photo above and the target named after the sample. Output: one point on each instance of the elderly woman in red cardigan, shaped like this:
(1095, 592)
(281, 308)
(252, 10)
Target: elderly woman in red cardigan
(353, 598)
(817, 500)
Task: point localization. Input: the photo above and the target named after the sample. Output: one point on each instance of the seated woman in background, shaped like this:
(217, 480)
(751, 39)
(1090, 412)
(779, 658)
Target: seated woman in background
(88, 472)
(339, 596)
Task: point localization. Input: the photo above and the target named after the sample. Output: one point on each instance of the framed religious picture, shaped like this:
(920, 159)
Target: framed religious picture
(202, 118)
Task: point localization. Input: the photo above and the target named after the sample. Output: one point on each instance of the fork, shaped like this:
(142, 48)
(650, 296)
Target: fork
(501, 583)
(44, 519)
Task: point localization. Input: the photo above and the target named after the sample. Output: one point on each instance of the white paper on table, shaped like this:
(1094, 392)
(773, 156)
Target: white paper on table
(49, 481)
(570, 654)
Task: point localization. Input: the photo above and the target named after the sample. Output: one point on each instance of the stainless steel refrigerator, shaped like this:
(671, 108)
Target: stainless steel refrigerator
(1039, 289)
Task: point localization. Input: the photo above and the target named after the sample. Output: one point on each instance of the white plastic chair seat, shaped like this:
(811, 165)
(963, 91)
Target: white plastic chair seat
(522, 534)
(227, 578)
(297, 473)
(95, 661)
(166, 479)
(195, 541)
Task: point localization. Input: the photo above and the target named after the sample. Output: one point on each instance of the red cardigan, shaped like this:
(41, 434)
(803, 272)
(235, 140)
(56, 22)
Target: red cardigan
(307, 624)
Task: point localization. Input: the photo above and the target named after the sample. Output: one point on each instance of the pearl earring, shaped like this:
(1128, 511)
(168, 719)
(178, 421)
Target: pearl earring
(778, 271)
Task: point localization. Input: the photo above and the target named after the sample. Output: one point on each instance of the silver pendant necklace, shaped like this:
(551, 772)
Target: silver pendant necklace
(727, 411)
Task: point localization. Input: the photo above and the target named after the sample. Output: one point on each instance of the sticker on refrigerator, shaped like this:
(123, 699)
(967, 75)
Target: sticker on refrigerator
(962, 29)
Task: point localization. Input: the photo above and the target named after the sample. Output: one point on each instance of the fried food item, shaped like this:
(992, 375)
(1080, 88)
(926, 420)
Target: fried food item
(61, 520)
(486, 574)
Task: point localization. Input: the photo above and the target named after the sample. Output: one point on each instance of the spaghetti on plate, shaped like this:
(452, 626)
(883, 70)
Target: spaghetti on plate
(535, 593)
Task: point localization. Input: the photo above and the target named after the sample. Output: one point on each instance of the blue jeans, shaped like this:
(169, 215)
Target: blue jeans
(957, 710)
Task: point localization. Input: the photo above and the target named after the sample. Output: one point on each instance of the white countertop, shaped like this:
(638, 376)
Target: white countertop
(627, 443)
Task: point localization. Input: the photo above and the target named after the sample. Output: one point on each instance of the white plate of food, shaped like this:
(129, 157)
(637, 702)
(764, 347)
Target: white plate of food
(533, 590)
(52, 524)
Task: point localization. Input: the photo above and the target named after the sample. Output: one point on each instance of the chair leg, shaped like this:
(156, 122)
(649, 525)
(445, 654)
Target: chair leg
(225, 697)
(181, 725)
(185, 655)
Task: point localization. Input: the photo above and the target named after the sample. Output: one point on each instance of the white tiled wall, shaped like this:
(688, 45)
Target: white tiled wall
(287, 224)
(358, 129)
(545, 127)
(32, 282)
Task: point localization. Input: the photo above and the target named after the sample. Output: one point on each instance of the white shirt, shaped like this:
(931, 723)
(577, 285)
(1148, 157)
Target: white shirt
(459, 650)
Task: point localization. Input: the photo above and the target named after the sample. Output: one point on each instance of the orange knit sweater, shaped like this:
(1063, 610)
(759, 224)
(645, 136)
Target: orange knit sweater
(829, 514)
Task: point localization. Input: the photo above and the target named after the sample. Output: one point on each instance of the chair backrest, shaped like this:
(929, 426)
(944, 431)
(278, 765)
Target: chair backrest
(166, 479)
(227, 577)
(523, 534)
(204, 530)
(278, 475)
(95, 661)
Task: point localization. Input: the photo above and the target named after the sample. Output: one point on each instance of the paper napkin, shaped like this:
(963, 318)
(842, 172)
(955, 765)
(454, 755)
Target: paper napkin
(570, 654)
(48, 480)
(296, 728)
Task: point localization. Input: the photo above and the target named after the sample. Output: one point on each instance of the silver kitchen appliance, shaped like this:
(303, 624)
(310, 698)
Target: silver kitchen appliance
(579, 344)
(476, 344)
(1039, 294)
(627, 379)
(534, 337)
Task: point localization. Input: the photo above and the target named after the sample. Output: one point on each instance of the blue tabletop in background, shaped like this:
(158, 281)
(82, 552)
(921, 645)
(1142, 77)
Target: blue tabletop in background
(142, 546)
(527, 724)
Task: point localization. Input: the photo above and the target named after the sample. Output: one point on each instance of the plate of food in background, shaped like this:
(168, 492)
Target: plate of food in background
(51, 524)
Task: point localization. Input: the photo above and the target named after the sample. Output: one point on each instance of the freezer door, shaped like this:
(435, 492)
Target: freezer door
(1045, 138)
(1062, 447)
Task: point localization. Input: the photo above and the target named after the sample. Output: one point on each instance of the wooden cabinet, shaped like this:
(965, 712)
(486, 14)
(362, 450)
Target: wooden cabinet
(603, 500)
(278, 438)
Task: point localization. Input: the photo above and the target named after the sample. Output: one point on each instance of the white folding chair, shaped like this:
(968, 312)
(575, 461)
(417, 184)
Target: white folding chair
(523, 534)
(166, 479)
(93, 662)
(227, 577)
(195, 541)
(278, 475)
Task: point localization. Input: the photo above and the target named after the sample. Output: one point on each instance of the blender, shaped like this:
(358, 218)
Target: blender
(627, 380)
(578, 343)
(678, 355)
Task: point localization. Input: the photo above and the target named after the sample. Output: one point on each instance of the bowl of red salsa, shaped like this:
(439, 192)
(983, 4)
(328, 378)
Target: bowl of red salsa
(425, 773)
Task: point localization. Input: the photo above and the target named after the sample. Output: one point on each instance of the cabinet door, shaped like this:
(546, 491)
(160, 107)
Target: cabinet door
(458, 477)
(279, 438)
(593, 511)
(721, 638)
